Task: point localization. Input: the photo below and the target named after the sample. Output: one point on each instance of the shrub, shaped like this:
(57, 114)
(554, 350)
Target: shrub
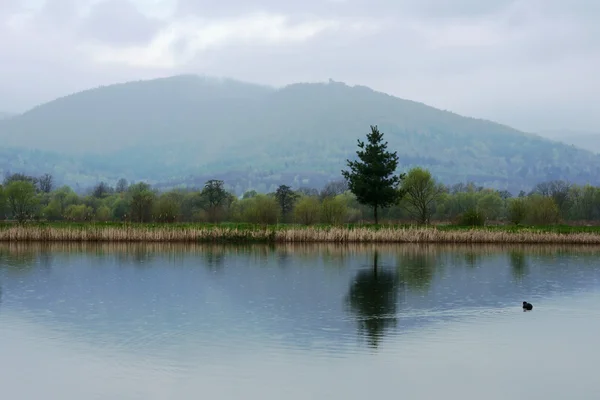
(261, 209)
(517, 210)
(471, 218)
(79, 213)
(307, 210)
(334, 211)
(167, 208)
(103, 214)
(542, 210)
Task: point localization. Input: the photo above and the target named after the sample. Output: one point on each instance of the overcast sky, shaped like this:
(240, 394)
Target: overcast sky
(532, 64)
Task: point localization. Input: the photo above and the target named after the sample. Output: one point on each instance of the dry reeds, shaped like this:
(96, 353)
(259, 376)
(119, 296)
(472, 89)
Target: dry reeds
(291, 235)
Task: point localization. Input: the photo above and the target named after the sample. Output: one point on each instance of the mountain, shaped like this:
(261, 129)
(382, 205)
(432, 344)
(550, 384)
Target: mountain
(5, 115)
(584, 140)
(187, 129)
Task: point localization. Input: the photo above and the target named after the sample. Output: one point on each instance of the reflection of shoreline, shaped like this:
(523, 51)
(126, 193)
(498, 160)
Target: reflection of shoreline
(25, 255)
(293, 248)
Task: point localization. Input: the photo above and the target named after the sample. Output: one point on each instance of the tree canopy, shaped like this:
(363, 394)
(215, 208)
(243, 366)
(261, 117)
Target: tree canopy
(372, 178)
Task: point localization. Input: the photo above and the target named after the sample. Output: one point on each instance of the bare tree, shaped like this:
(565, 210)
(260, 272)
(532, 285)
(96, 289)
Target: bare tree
(46, 183)
(333, 189)
(121, 186)
(101, 190)
(558, 190)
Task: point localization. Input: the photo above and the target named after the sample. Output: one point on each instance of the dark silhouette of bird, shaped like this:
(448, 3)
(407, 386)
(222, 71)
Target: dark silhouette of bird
(527, 306)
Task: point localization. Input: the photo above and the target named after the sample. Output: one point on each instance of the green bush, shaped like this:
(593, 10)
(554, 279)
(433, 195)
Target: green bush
(334, 211)
(260, 209)
(542, 210)
(307, 210)
(517, 210)
(471, 218)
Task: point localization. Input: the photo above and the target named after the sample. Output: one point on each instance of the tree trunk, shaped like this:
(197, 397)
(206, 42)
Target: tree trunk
(375, 214)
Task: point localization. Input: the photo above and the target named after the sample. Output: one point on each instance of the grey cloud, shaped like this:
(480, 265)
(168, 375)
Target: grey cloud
(118, 22)
(423, 8)
(527, 63)
(59, 14)
(8, 7)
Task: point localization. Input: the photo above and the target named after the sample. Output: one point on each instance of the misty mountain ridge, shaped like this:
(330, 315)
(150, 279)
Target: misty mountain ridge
(185, 129)
(582, 139)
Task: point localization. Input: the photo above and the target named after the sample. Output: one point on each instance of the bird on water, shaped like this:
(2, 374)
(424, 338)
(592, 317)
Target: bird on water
(527, 306)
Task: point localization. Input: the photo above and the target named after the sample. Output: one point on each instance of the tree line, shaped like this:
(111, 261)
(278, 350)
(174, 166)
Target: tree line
(369, 191)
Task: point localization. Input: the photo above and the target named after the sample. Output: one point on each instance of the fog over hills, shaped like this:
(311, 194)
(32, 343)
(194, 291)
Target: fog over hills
(582, 139)
(187, 129)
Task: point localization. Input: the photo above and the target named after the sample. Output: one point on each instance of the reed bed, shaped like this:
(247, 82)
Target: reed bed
(340, 235)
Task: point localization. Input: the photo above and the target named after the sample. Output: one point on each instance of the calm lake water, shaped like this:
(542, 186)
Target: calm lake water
(298, 322)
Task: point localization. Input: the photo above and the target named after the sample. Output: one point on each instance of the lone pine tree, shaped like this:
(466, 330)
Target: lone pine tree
(372, 178)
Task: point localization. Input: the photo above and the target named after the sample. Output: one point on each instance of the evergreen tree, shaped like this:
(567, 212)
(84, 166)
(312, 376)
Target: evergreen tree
(372, 179)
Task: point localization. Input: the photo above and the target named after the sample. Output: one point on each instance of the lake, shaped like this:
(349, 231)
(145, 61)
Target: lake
(166, 321)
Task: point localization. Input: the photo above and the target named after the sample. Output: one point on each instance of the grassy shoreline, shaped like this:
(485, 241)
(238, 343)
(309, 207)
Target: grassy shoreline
(247, 233)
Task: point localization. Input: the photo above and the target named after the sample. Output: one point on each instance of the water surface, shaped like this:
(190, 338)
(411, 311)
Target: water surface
(298, 322)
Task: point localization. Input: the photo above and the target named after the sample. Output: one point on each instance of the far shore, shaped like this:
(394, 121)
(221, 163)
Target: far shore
(231, 233)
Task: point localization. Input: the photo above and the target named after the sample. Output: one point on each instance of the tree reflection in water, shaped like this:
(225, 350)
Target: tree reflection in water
(519, 264)
(373, 297)
(417, 268)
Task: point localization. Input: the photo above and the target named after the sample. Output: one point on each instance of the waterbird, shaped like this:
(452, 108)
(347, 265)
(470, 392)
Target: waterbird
(527, 306)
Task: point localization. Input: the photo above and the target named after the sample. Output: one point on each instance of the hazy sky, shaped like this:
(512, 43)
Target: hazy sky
(528, 63)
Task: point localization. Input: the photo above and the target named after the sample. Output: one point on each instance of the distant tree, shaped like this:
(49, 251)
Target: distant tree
(333, 189)
(103, 214)
(2, 203)
(334, 210)
(121, 186)
(79, 213)
(372, 179)
(517, 210)
(558, 190)
(19, 178)
(121, 209)
(215, 199)
(192, 204)
(101, 190)
(286, 198)
(490, 205)
(142, 200)
(306, 191)
(249, 194)
(46, 183)
(586, 202)
(505, 194)
(167, 208)
(22, 200)
(421, 193)
(469, 187)
(261, 209)
(307, 210)
(542, 210)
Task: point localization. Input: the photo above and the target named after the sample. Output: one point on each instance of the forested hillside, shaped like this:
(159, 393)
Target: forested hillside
(584, 140)
(185, 130)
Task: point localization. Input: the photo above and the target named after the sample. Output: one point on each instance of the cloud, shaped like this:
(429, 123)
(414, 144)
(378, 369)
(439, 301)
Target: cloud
(502, 59)
(118, 22)
(181, 41)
